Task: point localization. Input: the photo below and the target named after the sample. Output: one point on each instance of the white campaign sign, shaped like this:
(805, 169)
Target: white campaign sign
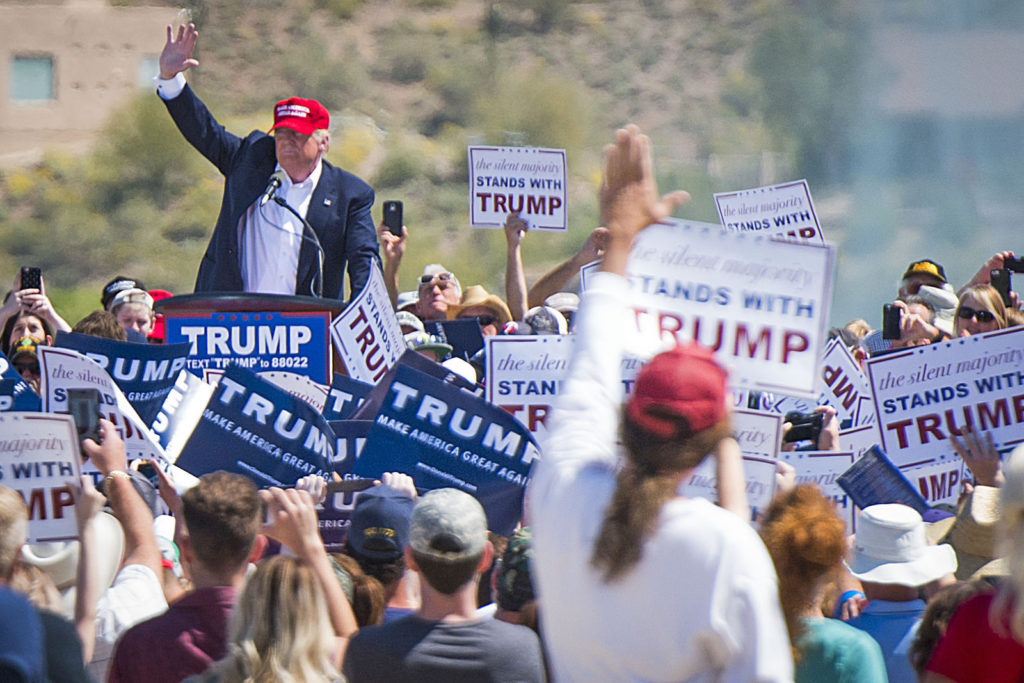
(924, 394)
(39, 458)
(527, 180)
(784, 210)
(938, 481)
(299, 386)
(525, 372)
(860, 439)
(841, 385)
(63, 369)
(366, 334)
(760, 304)
(823, 468)
(759, 474)
(758, 433)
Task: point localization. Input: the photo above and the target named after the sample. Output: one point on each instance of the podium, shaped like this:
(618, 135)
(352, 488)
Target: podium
(263, 332)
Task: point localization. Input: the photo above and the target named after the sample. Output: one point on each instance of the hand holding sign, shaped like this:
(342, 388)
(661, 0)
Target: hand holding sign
(291, 520)
(629, 195)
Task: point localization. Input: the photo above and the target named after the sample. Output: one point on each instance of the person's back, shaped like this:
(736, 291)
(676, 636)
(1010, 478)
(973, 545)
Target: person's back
(417, 649)
(222, 518)
(636, 583)
(445, 640)
(703, 586)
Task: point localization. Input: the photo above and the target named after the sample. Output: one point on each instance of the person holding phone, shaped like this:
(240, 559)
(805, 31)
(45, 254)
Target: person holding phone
(259, 245)
(25, 301)
(981, 309)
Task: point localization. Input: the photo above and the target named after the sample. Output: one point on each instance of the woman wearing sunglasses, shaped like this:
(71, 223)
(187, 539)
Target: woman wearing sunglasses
(981, 309)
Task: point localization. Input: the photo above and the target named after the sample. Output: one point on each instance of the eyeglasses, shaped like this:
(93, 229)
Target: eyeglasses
(22, 368)
(442, 280)
(966, 313)
(486, 320)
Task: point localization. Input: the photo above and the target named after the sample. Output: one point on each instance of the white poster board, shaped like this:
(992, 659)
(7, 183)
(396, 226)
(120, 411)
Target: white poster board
(525, 373)
(530, 181)
(822, 468)
(366, 334)
(762, 305)
(758, 474)
(784, 210)
(758, 433)
(63, 369)
(40, 459)
(924, 394)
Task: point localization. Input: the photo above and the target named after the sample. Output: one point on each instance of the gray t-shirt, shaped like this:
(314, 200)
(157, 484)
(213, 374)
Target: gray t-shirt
(413, 649)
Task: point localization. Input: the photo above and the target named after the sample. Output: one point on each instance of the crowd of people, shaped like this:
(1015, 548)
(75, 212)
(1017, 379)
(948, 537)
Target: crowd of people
(613, 575)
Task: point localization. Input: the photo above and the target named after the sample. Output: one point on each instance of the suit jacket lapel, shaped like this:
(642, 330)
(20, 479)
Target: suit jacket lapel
(321, 205)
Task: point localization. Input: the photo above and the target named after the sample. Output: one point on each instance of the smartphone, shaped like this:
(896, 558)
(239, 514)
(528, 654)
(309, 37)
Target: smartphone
(31, 278)
(1014, 264)
(149, 472)
(1000, 279)
(84, 407)
(890, 321)
(393, 217)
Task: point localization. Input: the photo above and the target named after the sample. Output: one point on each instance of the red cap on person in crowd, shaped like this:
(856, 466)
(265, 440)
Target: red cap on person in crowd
(685, 382)
(301, 115)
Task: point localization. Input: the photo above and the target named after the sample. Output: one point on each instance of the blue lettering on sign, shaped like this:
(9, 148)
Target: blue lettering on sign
(292, 342)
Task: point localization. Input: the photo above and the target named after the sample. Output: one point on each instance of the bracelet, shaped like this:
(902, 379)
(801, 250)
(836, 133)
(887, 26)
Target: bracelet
(844, 598)
(116, 474)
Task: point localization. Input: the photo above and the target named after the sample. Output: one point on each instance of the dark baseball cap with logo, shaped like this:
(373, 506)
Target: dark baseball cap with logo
(379, 526)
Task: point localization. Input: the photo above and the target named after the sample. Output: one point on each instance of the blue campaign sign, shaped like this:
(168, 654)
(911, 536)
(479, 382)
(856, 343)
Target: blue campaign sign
(145, 373)
(350, 438)
(443, 436)
(464, 336)
(296, 342)
(254, 428)
(334, 514)
(17, 395)
(345, 396)
(371, 406)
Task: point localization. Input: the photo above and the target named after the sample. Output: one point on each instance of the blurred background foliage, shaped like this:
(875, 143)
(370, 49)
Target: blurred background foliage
(735, 94)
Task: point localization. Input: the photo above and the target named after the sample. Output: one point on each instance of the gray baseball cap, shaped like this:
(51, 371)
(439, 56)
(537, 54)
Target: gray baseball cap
(448, 525)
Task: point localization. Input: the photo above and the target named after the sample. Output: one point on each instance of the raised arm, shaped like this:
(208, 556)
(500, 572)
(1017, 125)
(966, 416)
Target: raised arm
(515, 278)
(554, 280)
(392, 250)
(293, 522)
(140, 546)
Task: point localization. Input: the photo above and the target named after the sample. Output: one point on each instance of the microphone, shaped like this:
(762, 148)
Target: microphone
(272, 187)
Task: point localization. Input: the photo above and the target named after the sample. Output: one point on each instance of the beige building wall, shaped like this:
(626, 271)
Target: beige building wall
(100, 57)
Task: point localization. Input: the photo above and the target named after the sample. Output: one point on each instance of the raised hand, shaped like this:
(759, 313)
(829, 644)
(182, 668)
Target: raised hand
(177, 53)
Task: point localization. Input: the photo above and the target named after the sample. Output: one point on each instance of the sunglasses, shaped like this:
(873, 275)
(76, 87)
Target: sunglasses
(442, 280)
(486, 320)
(22, 368)
(966, 313)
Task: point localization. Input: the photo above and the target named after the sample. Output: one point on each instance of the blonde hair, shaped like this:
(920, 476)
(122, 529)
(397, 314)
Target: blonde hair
(1010, 598)
(13, 528)
(988, 294)
(280, 629)
(648, 481)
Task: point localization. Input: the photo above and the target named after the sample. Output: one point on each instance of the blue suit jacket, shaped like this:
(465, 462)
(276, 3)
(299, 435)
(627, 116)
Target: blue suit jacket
(339, 210)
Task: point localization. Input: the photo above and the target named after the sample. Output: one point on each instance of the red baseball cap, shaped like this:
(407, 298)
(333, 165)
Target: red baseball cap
(684, 382)
(301, 115)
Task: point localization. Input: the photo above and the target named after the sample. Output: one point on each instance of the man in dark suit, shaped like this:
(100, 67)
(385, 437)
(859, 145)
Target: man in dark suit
(257, 245)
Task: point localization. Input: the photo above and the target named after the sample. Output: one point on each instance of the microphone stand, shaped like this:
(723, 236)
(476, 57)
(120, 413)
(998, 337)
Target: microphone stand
(317, 285)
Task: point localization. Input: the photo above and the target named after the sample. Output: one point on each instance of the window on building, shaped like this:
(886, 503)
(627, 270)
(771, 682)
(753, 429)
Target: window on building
(32, 79)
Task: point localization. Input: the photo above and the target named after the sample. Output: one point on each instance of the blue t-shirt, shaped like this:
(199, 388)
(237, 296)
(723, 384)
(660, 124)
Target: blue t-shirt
(894, 626)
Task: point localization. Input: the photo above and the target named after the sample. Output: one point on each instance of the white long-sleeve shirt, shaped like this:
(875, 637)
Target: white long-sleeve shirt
(702, 604)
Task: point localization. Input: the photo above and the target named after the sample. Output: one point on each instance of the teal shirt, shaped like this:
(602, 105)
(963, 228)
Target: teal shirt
(830, 650)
